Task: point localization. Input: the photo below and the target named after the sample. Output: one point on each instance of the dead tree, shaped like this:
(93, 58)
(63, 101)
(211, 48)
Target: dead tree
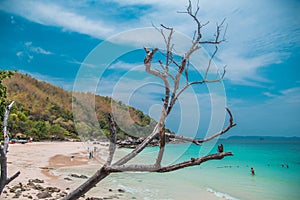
(4, 180)
(173, 89)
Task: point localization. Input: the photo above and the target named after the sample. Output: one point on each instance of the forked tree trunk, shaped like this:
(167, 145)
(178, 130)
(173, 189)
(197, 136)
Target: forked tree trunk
(3, 152)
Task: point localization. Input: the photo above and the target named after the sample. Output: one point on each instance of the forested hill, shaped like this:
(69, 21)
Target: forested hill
(43, 111)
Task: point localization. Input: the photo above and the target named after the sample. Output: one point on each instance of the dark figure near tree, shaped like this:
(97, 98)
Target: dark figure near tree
(220, 148)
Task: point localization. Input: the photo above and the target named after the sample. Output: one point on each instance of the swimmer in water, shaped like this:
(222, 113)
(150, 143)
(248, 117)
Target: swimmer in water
(252, 171)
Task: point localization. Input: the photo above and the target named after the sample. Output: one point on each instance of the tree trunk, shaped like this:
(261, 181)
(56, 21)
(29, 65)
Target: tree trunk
(3, 151)
(3, 170)
(89, 184)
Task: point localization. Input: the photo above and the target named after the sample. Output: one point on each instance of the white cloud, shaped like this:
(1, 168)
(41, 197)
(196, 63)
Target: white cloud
(284, 97)
(257, 37)
(28, 51)
(24, 55)
(84, 64)
(269, 94)
(290, 96)
(279, 115)
(255, 40)
(136, 67)
(55, 15)
(12, 20)
(19, 54)
(28, 44)
(243, 69)
(40, 50)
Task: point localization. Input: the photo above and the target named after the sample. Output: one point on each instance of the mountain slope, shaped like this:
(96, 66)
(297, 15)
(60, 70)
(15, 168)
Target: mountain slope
(44, 111)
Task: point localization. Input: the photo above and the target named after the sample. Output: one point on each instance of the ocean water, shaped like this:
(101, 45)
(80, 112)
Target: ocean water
(231, 177)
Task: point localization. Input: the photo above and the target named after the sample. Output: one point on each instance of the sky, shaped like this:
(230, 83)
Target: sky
(63, 42)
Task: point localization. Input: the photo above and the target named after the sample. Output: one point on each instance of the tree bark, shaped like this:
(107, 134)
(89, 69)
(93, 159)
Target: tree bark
(89, 184)
(4, 180)
(3, 170)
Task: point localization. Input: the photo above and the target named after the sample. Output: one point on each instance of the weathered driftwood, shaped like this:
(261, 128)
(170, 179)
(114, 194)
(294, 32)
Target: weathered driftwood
(4, 180)
(172, 91)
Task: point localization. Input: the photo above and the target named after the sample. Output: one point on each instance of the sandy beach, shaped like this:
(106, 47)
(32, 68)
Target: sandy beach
(38, 161)
(55, 168)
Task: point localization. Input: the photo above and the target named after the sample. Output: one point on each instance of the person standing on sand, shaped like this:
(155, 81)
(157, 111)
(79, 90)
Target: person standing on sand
(252, 171)
(91, 155)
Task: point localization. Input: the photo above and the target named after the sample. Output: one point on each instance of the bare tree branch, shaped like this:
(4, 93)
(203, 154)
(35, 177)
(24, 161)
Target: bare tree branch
(227, 128)
(183, 138)
(162, 144)
(217, 35)
(194, 47)
(139, 148)
(13, 177)
(5, 134)
(194, 161)
(153, 168)
(89, 184)
(209, 62)
(147, 63)
(231, 124)
(132, 168)
(168, 46)
(112, 144)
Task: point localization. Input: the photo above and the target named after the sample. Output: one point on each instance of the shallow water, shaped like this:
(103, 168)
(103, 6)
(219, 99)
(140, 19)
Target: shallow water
(232, 176)
(229, 178)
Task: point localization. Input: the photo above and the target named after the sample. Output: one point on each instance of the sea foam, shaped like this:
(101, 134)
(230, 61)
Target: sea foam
(221, 195)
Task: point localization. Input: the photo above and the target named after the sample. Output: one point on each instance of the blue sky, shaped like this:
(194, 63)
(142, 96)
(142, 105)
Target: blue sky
(51, 40)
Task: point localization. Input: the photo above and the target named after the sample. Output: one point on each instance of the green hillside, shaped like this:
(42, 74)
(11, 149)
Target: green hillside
(43, 111)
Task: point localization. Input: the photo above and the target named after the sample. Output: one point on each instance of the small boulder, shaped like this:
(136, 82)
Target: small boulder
(17, 195)
(43, 195)
(36, 180)
(121, 190)
(52, 189)
(67, 179)
(79, 176)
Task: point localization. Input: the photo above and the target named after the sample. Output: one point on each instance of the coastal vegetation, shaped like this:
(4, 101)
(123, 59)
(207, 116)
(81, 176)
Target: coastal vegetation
(3, 93)
(43, 111)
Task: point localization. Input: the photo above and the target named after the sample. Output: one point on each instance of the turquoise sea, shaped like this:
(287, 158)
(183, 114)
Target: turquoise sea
(229, 178)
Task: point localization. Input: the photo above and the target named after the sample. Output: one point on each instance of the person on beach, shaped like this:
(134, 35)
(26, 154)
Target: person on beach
(252, 171)
(91, 155)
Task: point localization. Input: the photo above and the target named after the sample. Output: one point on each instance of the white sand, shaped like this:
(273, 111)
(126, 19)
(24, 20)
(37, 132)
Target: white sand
(31, 158)
(39, 160)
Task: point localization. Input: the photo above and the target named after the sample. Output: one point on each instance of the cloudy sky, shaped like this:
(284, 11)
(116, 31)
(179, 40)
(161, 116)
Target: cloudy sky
(56, 41)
